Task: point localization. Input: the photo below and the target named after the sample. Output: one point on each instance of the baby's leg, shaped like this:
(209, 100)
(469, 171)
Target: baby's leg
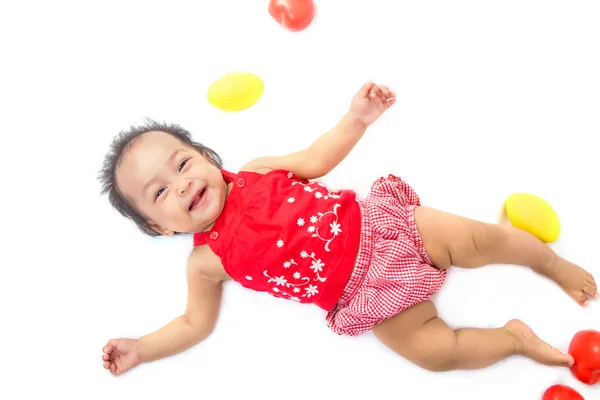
(418, 335)
(462, 242)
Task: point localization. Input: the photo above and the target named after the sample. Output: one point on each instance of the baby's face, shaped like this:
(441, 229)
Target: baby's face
(175, 187)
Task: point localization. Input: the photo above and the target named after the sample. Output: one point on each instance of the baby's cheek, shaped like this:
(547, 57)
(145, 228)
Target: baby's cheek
(168, 214)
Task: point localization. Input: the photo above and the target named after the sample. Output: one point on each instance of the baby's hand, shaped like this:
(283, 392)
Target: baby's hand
(121, 355)
(370, 102)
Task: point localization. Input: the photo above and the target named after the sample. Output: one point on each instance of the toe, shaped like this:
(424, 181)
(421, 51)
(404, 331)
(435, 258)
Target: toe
(568, 360)
(560, 358)
(593, 287)
(591, 278)
(581, 298)
(590, 290)
(563, 358)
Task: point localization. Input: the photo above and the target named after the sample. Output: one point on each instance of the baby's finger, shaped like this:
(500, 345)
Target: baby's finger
(106, 357)
(383, 96)
(378, 101)
(364, 90)
(385, 90)
(106, 365)
(112, 345)
(113, 369)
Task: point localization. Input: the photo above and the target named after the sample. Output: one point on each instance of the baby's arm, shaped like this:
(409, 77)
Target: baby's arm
(185, 331)
(328, 150)
(189, 329)
(322, 156)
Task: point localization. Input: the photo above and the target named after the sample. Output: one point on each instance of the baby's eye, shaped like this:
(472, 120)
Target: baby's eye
(182, 164)
(159, 193)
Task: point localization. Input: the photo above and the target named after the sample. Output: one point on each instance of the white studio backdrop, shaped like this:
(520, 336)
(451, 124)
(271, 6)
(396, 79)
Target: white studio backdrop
(493, 98)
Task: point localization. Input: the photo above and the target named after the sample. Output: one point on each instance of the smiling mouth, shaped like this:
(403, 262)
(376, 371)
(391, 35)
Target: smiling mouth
(197, 199)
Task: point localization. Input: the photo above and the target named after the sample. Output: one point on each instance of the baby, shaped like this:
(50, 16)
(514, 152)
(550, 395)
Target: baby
(372, 263)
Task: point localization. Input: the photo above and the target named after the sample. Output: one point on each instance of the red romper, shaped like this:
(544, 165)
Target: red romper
(362, 261)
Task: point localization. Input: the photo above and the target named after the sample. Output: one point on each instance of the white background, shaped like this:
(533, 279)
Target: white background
(493, 98)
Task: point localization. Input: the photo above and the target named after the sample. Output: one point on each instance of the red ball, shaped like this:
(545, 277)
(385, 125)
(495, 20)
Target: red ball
(585, 349)
(561, 392)
(294, 15)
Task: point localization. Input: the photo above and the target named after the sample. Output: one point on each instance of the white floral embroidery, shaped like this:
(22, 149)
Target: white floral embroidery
(293, 298)
(325, 229)
(284, 282)
(282, 293)
(311, 290)
(335, 227)
(316, 265)
(281, 281)
(248, 278)
(307, 187)
(329, 194)
(319, 195)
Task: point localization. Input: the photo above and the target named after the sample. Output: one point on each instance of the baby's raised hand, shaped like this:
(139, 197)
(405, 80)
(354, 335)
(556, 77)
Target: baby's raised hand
(121, 355)
(370, 102)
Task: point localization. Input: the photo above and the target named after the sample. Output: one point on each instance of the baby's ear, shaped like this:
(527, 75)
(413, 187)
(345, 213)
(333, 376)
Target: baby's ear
(159, 229)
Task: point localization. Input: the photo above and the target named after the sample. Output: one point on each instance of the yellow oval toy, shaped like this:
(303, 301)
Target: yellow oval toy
(534, 215)
(235, 91)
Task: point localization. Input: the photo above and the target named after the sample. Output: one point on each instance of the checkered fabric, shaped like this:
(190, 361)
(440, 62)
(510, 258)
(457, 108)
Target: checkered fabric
(393, 271)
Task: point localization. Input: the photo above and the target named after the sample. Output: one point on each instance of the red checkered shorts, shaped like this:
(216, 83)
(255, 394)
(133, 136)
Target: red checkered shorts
(393, 271)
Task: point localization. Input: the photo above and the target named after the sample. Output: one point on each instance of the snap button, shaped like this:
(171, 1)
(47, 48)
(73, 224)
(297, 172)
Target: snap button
(241, 182)
(214, 235)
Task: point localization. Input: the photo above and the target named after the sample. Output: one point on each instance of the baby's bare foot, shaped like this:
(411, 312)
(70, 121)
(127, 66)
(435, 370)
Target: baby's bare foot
(530, 345)
(576, 281)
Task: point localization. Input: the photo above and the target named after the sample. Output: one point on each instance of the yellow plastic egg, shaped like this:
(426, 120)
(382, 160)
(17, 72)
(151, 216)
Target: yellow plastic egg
(235, 91)
(534, 215)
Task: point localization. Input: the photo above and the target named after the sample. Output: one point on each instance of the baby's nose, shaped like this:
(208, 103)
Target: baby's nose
(184, 186)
